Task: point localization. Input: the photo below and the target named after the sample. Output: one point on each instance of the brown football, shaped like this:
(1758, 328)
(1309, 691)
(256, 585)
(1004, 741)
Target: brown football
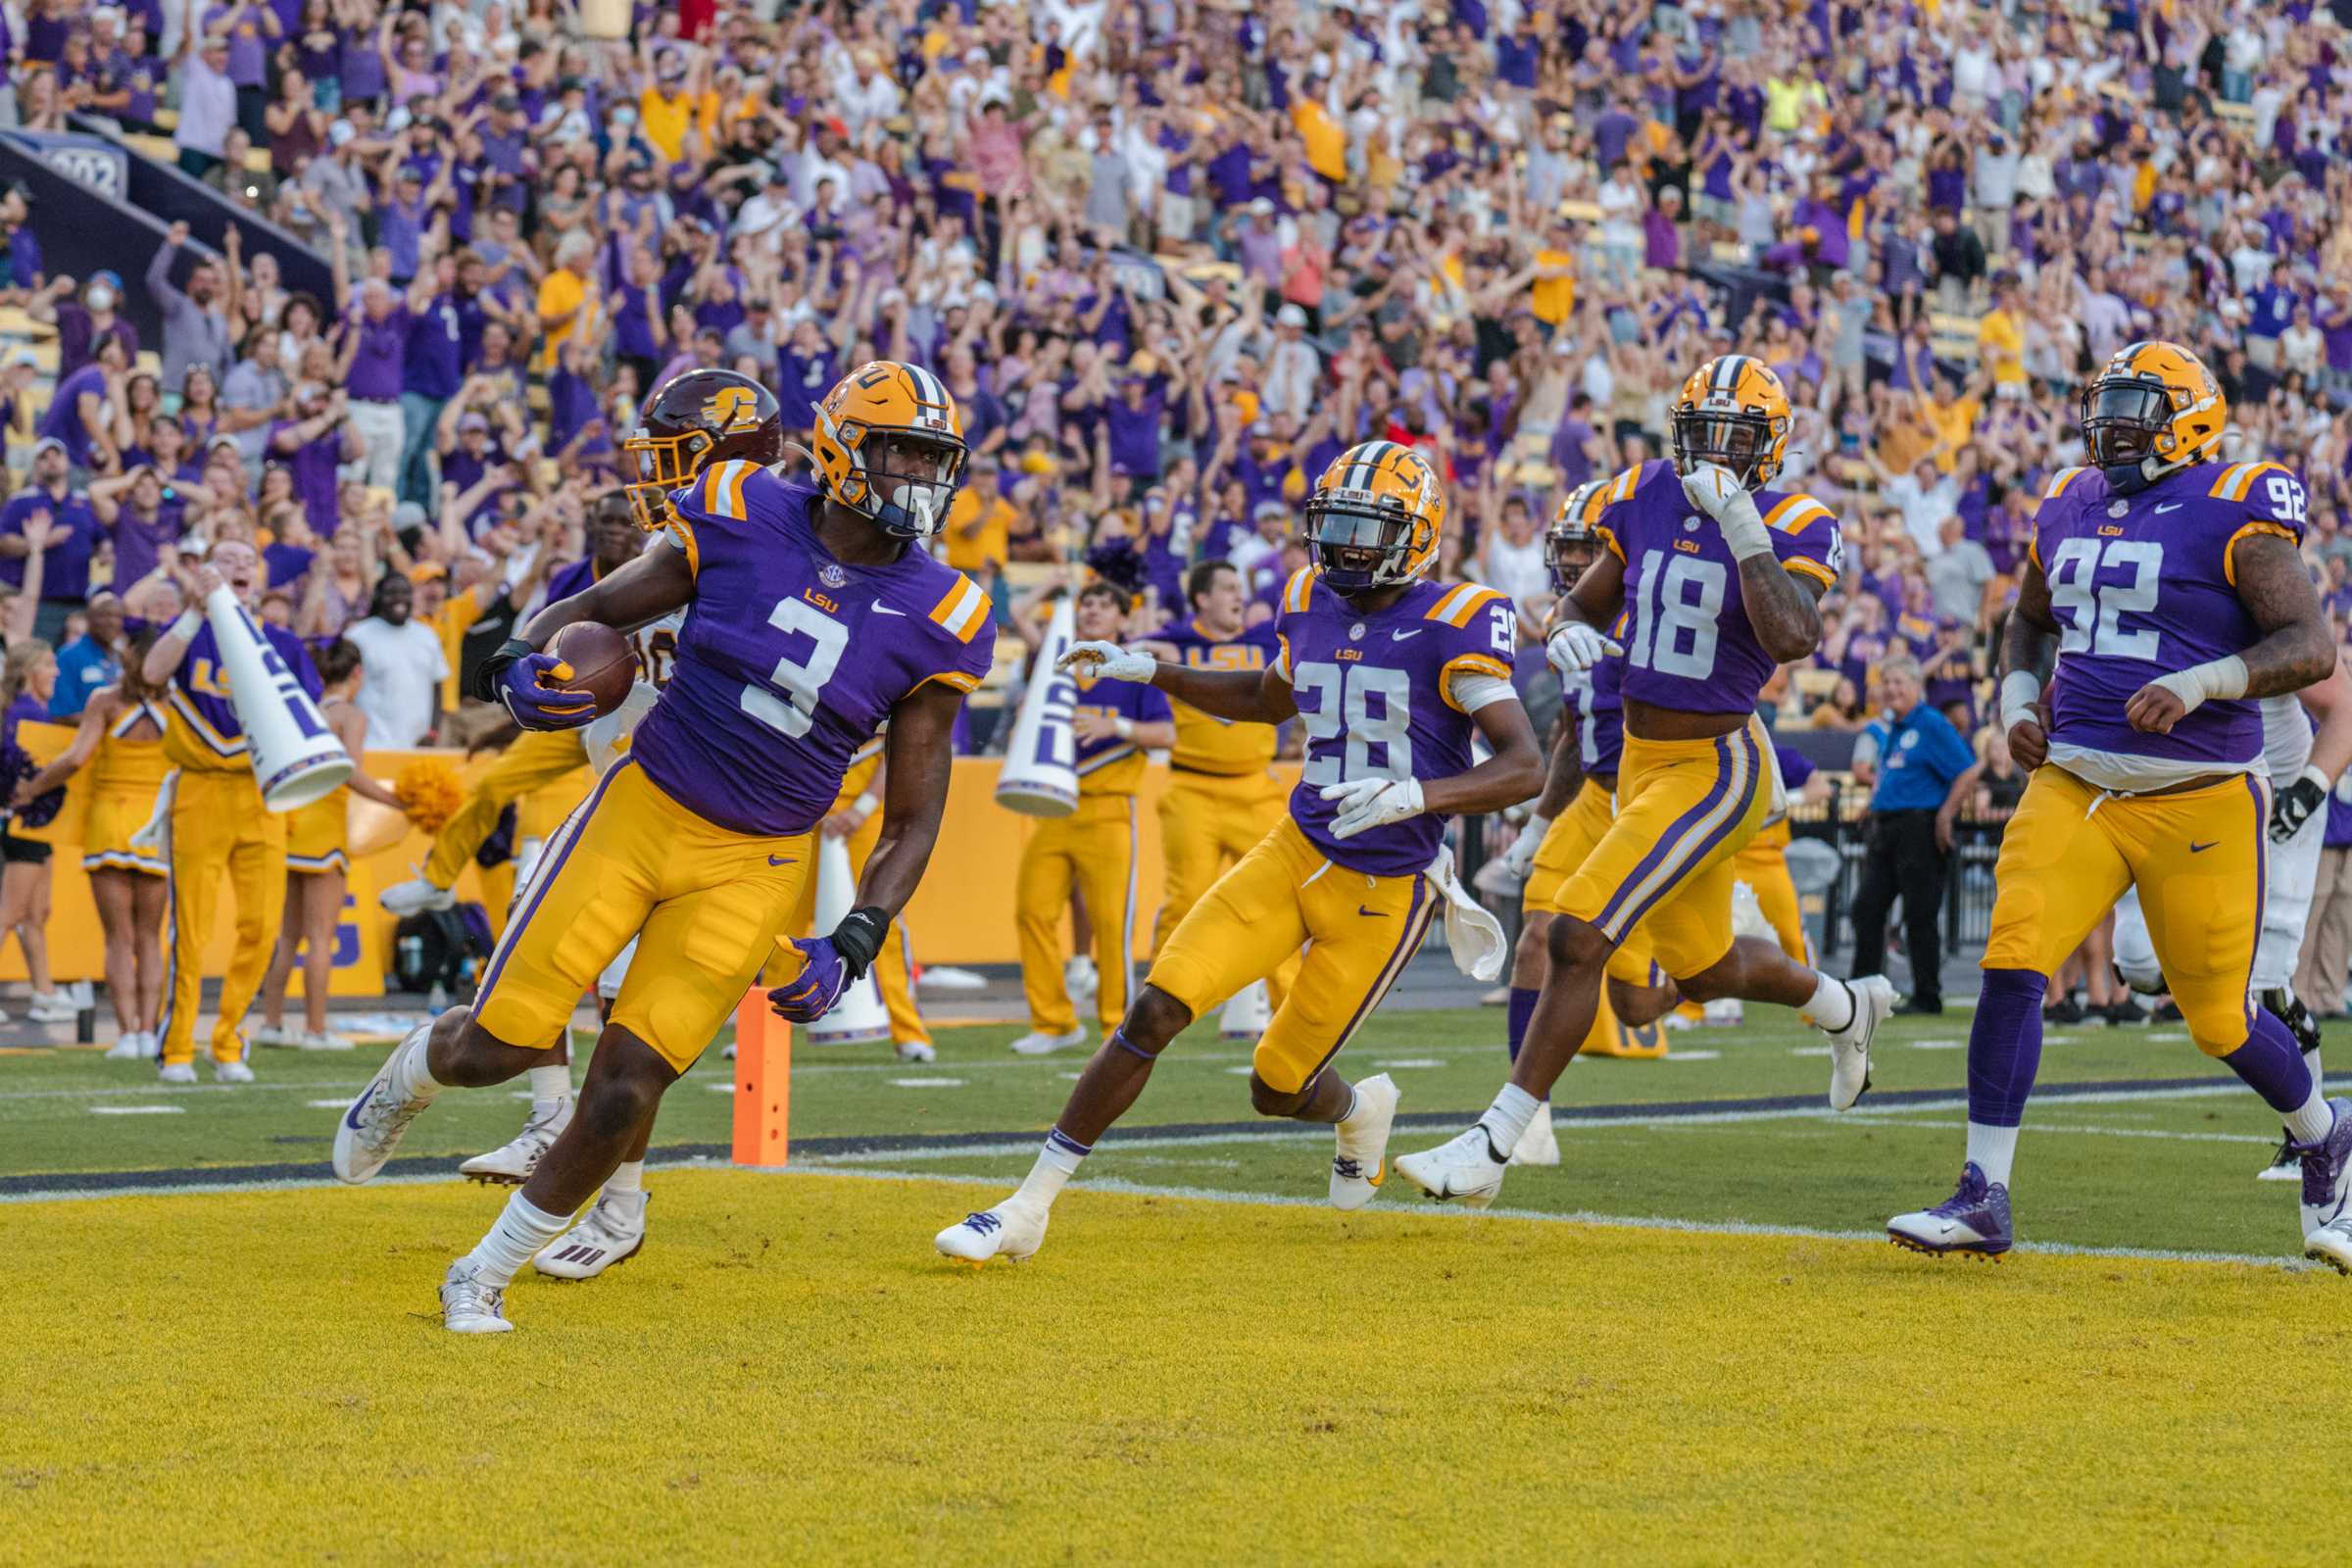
(600, 660)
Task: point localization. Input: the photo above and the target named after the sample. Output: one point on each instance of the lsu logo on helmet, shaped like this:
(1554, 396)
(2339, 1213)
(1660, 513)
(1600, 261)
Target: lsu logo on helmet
(2154, 409)
(1733, 412)
(1374, 517)
(888, 446)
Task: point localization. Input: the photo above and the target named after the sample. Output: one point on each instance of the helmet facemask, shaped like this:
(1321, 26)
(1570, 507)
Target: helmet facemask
(1737, 442)
(1569, 554)
(904, 481)
(2123, 418)
(664, 463)
(1359, 544)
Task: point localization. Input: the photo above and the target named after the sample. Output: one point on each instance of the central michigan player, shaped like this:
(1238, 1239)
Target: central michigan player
(698, 841)
(1722, 586)
(1391, 675)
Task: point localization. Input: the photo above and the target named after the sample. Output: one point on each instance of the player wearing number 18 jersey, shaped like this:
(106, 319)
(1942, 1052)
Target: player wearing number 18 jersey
(2169, 591)
(1389, 675)
(698, 841)
(1718, 577)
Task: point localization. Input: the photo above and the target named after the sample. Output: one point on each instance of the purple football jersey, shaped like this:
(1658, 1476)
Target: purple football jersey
(2142, 586)
(767, 703)
(1688, 646)
(1374, 692)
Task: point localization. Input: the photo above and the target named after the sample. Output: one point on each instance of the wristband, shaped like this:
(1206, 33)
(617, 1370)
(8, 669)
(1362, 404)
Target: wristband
(2199, 683)
(866, 805)
(2021, 689)
(1123, 727)
(185, 626)
(2317, 776)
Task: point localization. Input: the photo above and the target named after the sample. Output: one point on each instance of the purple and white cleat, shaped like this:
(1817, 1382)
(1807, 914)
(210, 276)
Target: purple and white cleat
(2327, 1184)
(1974, 1220)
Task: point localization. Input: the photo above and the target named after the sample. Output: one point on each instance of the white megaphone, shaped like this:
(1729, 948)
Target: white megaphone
(858, 1015)
(1041, 764)
(296, 758)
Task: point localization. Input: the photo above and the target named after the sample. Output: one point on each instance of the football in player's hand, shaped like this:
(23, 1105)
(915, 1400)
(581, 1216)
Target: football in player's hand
(601, 663)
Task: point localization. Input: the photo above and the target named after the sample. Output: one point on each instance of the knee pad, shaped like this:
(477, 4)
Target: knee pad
(2218, 1026)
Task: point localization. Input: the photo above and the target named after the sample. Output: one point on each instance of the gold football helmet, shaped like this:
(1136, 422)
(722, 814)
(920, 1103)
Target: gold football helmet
(888, 446)
(2154, 409)
(1572, 544)
(1733, 412)
(1374, 517)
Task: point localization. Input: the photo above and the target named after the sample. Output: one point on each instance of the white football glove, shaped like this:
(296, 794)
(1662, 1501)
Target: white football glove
(1713, 490)
(1109, 661)
(1521, 856)
(1576, 648)
(1370, 802)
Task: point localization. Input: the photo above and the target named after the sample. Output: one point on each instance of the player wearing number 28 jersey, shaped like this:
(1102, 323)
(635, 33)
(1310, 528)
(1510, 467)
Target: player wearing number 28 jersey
(698, 841)
(1389, 675)
(2168, 588)
(1717, 575)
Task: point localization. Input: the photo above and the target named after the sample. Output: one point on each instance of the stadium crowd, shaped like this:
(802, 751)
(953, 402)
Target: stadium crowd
(1171, 255)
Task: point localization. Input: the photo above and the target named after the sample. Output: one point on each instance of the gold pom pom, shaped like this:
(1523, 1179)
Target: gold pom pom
(429, 791)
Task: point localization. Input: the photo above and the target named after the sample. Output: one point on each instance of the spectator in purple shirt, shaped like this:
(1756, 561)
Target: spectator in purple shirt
(378, 330)
(313, 445)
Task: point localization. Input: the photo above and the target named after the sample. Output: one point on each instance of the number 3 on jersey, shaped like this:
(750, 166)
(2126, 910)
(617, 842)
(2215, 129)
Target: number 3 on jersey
(799, 679)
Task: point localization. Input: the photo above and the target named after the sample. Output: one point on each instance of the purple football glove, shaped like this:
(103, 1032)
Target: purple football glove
(809, 994)
(533, 688)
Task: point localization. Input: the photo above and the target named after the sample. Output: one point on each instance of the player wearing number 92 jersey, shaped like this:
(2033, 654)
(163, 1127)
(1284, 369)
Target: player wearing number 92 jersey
(2172, 588)
(1389, 675)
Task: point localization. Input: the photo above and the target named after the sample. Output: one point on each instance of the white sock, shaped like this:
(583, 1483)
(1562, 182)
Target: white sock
(1505, 1120)
(1993, 1149)
(412, 1078)
(2310, 1123)
(2311, 1059)
(630, 1178)
(522, 1228)
(1055, 1165)
(551, 1082)
(1353, 1099)
(1833, 1005)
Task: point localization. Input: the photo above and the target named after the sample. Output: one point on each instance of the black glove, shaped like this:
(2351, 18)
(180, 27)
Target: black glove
(487, 673)
(2298, 804)
(859, 937)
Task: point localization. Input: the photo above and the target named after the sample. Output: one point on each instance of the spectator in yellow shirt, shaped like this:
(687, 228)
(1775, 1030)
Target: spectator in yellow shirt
(672, 97)
(2001, 337)
(1952, 415)
(566, 293)
(1552, 294)
(980, 521)
(1325, 138)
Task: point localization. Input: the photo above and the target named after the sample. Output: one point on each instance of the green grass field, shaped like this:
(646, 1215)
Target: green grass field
(1687, 1344)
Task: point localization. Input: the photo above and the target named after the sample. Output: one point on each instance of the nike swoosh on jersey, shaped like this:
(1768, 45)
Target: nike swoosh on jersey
(2162, 507)
(2200, 849)
(1400, 636)
(779, 859)
(1377, 915)
(881, 609)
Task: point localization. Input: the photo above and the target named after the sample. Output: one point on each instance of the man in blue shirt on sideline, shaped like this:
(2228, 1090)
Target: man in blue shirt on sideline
(1926, 770)
(90, 661)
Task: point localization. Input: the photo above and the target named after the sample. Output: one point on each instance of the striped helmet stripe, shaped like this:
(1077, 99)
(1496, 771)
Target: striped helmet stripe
(1726, 371)
(926, 385)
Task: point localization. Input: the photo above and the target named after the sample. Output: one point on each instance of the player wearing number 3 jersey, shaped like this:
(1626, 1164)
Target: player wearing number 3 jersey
(1389, 675)
(1719, 577)
(2169, 590)
(698, 841)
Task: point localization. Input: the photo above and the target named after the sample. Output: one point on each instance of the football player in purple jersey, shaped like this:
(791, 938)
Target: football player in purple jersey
(698, 841)
(1719, 577)
(2163, 594)
(1391, 676)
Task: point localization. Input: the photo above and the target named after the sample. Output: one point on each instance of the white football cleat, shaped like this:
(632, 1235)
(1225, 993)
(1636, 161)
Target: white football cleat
(1463, 1170)
(416, 896)
(1361, 1163)
(1037, 1043)
(134, 1045)
(323, 1040)
(947, 977)
(917, 1050)
(1012, 1229)
(1849, 1046)
(372, 1127)
(176, 1072)
(470, 1307)
(1081, 979)
(613, 1233)
(274, 1035)
(2327, 1179)
(1538, 1144)
(511, 1163)
(2332, 1245)
(232, 1072)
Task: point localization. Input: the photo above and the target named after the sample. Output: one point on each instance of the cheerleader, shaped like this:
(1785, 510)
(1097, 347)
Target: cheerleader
(316, 866)
(121, 739)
